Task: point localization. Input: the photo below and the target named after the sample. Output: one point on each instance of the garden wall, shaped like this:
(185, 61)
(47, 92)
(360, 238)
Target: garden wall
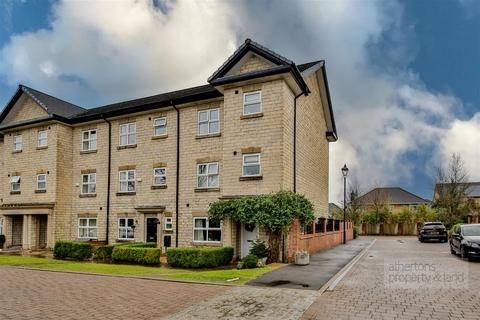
(323, 234)
(389, 229)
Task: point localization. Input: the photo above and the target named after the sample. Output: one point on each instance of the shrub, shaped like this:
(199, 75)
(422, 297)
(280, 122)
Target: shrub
(140, 244)
(450, 231)
(259, 249)
(72, 250)
(104, 253)
(136, 254)
(199, 257)
(355, 233)
(249, 262)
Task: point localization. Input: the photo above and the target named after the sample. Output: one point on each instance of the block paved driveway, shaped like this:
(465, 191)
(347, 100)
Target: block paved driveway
(365, 292)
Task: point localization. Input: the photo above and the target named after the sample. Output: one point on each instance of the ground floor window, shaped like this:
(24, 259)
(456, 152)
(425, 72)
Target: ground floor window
(1, 225)
(168, 224)
(125, 228)
(87, 228)
(206, 230)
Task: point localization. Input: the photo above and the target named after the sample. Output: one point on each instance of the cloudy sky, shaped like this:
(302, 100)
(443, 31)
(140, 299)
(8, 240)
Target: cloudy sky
(404, 75)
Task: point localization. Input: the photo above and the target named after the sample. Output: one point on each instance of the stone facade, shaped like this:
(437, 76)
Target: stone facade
(61, 206)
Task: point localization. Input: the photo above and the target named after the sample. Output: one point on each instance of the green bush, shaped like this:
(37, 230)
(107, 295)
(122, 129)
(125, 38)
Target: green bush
(249, 262)
(104, 253)
(450, 231)
(259, 249)
(136, 254)
(140, 244)
(72, 250)
(355, 233)
(199, 257)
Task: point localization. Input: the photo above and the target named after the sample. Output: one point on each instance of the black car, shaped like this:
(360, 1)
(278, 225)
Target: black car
(465, 241)
(433, 231)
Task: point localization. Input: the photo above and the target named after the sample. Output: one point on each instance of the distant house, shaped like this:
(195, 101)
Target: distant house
(332, 209)
(472, 192)
(394, 197)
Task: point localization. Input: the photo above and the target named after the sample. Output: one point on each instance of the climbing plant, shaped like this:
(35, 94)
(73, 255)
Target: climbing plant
(275, 213)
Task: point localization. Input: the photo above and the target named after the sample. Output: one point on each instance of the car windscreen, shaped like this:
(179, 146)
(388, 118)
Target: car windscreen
(471, 230)
(433, 226)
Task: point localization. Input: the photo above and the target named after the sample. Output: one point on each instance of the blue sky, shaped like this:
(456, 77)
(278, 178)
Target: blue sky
(417, 61)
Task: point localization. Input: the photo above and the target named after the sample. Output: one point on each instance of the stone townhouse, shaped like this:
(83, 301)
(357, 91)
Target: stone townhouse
(147, 169)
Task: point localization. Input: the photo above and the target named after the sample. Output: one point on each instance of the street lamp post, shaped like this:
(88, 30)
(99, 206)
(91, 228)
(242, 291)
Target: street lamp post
(344, 173)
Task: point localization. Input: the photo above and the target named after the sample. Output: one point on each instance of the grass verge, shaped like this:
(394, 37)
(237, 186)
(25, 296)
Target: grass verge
(214, 276)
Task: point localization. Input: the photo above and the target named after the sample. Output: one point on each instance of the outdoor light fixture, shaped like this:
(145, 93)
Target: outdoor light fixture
(344, 173)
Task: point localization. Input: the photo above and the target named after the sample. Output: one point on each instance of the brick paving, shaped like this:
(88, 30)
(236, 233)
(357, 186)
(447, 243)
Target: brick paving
(362, 294)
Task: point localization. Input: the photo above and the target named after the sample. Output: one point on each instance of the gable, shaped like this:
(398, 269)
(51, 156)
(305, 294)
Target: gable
(24, 109)
(252, 62)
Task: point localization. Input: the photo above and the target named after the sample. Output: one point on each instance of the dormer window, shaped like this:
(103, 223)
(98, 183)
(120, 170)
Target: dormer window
(252, 103)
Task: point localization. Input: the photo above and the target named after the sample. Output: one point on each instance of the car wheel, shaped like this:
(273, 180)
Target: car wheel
(421, 239)
(463, 253)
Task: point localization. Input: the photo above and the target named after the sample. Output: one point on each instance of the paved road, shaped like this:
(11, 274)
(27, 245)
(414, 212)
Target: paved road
(375, 287)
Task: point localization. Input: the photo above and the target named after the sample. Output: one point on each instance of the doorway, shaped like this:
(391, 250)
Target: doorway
(249, 234)
(42, 231)
(152, 230)
(17, 231)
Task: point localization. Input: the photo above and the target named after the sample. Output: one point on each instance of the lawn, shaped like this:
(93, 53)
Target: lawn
(214, 276)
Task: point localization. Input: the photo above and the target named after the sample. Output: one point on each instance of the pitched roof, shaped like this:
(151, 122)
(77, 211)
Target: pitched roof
(472, 188)
(392, 195)
(332, 207)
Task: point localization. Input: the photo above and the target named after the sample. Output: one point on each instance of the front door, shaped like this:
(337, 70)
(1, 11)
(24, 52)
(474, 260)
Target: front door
(42, 231)
(17, 231)
(152, 224)
(249, 234)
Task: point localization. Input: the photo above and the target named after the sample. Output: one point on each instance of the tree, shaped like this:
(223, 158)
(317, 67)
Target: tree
(273, 212)
(354, 207)
(451, 190)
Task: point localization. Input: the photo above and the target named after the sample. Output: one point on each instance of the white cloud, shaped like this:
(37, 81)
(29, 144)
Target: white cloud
(103, 51)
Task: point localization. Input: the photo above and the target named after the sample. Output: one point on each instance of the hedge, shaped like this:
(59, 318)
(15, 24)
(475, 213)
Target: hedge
(199, 257)
(104, 253)
(136, 254)
(72, 250)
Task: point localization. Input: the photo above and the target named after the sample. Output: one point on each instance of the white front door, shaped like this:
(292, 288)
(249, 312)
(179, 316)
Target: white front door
(248, 235)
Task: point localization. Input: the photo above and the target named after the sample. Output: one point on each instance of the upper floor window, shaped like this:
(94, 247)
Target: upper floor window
(15, 183)
(251, 165)
(87, 228)
(17, 142)
(126, 180)
(207, 175)
(89, 140)
(206, 230)
(159, 176)
(42, 138)
(252, 102)
(128, 134)
(89, 183)
(125, 228)
(41, 181)
(160, 126)
(209, 121)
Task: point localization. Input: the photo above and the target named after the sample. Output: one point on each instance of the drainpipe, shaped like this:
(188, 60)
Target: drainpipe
(107, 229)
(177, 178)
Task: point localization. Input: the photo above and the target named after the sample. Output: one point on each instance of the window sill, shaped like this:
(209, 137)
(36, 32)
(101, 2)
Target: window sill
(88, 151)
(208, 243)
(163, 136)
(158, 187)
(42, 148)
(40, 191)
(250, 178)
(251, 116)
(125, 194)
(207, 189)
(17, 151)
(87, 195)
(125, 240)
(15, 192)
(130, 146)
(168, 230)
(210, 135)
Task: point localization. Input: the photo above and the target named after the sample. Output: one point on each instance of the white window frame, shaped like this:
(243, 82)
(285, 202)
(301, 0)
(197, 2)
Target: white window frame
(252, 164)
(126, 181)
(250, 103)
(17, 145)
(88, 228)
(89, 140)
(126, 227)
(18, 182)
(164, 126)
(89, 182)
(44, 175)
(168, 221)
(207, 174)
(155, 175)
(208, 121)
(131, 135)
(207, 228)
(42, 141)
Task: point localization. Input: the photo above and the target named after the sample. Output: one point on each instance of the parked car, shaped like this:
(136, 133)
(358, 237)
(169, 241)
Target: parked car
(433, 231)
(465, 241)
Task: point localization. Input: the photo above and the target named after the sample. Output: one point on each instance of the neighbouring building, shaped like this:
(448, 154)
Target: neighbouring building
(147, 169)
(472, 193)
(395, 198)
